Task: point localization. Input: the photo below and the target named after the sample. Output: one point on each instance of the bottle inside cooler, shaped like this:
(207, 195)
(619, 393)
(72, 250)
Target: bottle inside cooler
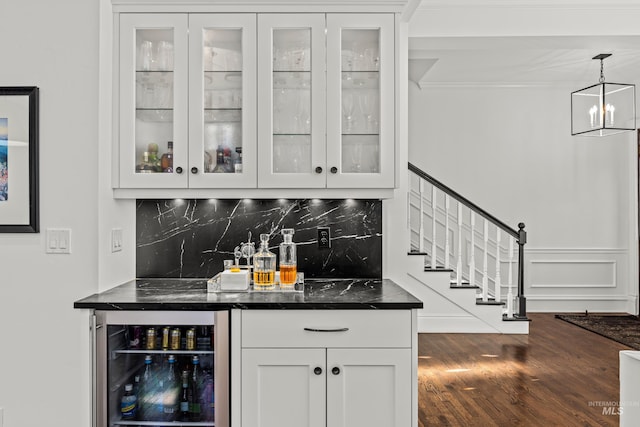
(161, 373)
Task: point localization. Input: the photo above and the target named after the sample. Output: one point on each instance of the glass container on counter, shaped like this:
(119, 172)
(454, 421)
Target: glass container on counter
(288, 264)
(264, 266)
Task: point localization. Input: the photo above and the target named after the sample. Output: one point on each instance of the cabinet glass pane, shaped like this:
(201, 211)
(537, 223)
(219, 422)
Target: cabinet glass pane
(292, 100)
(159, 373)
(154, 100)
(360, 94)
(222, 67)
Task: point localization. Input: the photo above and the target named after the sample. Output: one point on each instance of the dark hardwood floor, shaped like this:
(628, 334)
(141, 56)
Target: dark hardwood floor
(555, 376)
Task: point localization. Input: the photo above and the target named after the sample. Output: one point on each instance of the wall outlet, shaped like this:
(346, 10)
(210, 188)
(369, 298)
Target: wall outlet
(324, 238)
(116, 239)
(58, 241)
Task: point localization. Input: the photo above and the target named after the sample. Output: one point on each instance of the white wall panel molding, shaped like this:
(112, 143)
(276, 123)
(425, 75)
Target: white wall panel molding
(560, 251)
(528, 4)
(584, 273)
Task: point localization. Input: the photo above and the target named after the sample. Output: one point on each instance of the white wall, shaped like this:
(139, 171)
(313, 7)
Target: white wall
(510, 150)
(44, 350)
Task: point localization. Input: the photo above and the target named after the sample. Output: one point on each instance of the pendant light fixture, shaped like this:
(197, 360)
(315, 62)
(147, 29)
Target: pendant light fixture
(604, 108)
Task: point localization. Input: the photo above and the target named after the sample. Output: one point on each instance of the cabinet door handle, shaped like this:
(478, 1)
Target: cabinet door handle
(319, 169)
(194, 170)
(334, 169)
(326, 330)
(178, 169)
(335, 370)
(317, 370)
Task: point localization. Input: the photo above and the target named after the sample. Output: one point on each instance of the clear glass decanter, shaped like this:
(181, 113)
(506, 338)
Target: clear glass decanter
(264, 266)
(288, 265)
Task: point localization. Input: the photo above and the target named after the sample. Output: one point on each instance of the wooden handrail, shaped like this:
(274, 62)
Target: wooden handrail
(460, 198)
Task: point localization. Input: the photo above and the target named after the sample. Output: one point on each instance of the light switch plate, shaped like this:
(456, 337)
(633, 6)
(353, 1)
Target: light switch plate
(116, 239)
(58, 241)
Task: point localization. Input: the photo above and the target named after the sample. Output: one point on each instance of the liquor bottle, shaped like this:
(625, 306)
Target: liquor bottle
(170, 392)
(195, 391)
(184, 397)
(288, 264)
(128, 403)
(220, 166)
(264, 266)
(237, 164)
(167, 158)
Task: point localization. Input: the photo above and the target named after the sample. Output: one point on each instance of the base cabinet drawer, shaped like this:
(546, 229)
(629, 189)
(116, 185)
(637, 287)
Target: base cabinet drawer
(326, 328)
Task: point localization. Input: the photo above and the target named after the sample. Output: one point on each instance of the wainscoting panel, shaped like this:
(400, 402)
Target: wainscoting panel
(576, 279)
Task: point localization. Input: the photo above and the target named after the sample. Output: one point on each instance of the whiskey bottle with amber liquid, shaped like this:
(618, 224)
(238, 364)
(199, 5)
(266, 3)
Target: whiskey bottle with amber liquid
(288, 265)
(264, 266)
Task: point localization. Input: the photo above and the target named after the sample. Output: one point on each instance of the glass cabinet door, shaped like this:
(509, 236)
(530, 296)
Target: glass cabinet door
(222, 100)
(291, 96)
(361, 113)
(153, 100)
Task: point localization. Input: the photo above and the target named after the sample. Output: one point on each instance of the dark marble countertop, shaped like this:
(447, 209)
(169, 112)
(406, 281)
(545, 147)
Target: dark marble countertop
(191, 294)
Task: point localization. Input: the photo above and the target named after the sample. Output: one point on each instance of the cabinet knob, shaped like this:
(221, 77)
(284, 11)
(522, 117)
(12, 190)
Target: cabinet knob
(317, 370)
(319, 169)
(334, 170)
(335, 370)
(178, 169)
(194, 170)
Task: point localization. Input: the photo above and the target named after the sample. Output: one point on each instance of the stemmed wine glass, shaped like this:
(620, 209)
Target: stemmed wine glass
(347, 111)
(367, 106)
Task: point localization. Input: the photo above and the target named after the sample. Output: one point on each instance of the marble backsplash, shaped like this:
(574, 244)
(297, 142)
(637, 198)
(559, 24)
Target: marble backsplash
(190, 238)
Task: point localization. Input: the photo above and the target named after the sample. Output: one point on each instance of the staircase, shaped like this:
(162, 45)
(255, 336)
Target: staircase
(463, 273)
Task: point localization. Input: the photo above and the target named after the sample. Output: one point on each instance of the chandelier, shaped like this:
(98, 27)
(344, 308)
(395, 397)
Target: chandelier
(604, 108)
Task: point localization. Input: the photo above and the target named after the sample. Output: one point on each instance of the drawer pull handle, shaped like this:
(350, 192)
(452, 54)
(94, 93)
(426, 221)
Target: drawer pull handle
(326, 330)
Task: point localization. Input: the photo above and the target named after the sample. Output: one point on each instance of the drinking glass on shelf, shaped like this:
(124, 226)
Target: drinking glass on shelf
(165, 56)
(356, 157)
(347, 111)
(367, 106)
(145, 55)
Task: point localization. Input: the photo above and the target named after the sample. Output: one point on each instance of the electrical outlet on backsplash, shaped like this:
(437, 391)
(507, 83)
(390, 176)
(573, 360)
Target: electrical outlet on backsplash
(190, 238)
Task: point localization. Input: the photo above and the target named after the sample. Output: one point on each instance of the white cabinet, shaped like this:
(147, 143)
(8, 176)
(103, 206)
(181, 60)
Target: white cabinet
(326, 100)
(187, 80)
(326, 368)
(268, 100)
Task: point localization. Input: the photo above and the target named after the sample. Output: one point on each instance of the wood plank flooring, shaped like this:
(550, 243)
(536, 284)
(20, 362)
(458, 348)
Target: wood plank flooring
(555, 376)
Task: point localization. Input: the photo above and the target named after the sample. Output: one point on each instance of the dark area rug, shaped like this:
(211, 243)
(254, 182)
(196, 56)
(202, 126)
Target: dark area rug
(623, 329)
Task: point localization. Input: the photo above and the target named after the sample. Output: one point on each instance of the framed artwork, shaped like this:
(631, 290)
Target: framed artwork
(19, 198)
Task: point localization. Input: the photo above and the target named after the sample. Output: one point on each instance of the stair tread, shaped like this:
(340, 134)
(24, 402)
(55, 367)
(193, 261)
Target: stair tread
(454, 285)
(515, 318)
(416, 253)
(490, 301)
(438, 268)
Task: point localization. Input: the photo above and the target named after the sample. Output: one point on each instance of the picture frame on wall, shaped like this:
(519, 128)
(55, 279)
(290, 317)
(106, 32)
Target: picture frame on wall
(19, 197)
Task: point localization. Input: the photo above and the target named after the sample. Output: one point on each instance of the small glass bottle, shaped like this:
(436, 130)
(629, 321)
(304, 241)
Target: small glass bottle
(264, 266)
(288, 269)
(220, 165)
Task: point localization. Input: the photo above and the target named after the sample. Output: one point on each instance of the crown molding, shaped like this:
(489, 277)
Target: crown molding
(530, 4)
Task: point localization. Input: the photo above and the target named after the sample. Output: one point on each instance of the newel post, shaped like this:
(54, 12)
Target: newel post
(522, 300)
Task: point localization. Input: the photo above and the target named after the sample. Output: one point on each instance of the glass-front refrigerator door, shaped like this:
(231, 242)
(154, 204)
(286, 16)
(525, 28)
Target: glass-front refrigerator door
(291, 100)
(162, 368)
(153, 135)
(222, 101)
(360, 101)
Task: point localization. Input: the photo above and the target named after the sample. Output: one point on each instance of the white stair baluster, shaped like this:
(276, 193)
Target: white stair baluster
(447, 244)
(510, 291)
(459, 248)
(434, 247)
(498, 291)
(421, 229)
(485, 278)
(472, 256)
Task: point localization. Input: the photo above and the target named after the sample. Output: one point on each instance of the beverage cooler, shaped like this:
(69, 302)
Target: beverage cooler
(161, 368)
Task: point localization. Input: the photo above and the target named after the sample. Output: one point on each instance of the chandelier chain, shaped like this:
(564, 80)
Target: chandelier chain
(601, 70)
